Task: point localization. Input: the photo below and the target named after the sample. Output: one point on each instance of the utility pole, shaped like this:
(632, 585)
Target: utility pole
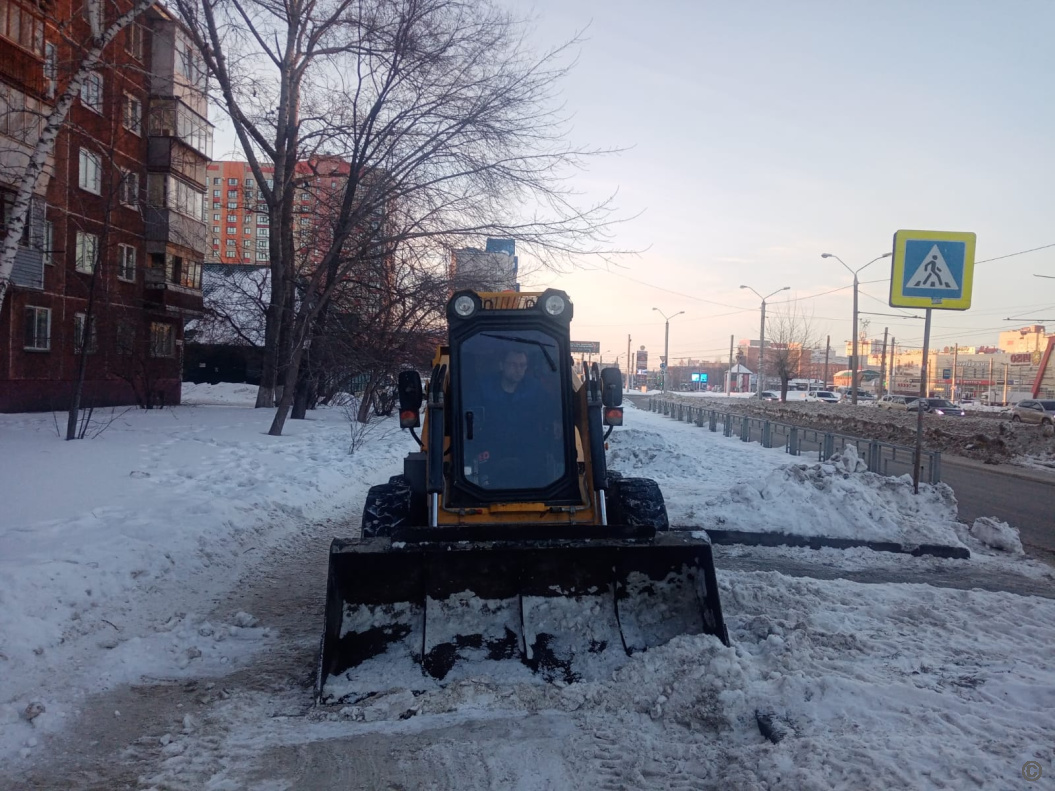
(1006, 366)
(955, 358)
(762, 333)
(827, 351)
(855, 366)
(893, 355)
(882, 365)
(666, 344)
(630, 369)
(989, 382)
(729, 374)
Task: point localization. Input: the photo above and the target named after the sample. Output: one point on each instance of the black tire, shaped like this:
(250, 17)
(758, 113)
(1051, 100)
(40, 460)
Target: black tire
(1016, 419)
(637, 502)
(387, 507)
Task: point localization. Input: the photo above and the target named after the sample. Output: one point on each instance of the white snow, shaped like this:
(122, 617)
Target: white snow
(997, 534)
(114, 549)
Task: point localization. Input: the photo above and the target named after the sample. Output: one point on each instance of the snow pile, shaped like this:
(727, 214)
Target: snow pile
(837, 499)
(998, 535)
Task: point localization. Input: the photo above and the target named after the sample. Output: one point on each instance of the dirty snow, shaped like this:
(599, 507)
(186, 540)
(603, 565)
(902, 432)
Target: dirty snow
(108, 577)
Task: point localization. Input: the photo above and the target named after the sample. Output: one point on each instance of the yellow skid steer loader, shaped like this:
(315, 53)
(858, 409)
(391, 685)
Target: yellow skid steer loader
(507, 547)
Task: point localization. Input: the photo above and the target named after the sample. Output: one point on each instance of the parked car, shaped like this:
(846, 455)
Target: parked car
(825, 396)
(1034, 411)
(770, 395)
(894, 401)
(937, 406)
(863, 397)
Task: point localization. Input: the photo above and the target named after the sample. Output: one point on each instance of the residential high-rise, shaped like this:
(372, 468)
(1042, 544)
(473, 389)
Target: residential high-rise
(116, 238)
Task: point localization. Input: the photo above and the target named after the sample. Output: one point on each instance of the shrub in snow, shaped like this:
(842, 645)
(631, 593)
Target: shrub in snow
(998, 535)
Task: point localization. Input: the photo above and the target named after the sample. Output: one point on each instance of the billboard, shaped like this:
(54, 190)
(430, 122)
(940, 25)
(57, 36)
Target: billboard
(585, 347)
(700, 377)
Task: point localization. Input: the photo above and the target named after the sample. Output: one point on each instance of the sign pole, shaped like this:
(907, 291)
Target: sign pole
(729, 375)
(918, 459)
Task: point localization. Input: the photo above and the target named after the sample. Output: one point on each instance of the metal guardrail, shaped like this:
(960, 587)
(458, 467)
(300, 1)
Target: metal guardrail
(884, 458)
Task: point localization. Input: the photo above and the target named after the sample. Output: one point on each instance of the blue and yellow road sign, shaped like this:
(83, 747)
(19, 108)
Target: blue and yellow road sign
(932, 269)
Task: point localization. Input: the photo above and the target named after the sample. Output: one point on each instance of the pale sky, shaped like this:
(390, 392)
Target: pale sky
(762, 134)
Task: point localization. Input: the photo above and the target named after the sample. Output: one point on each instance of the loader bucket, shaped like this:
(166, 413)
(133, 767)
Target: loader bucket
(418, 615)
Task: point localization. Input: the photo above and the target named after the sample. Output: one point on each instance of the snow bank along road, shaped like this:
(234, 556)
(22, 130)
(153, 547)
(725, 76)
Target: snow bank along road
(177, 677)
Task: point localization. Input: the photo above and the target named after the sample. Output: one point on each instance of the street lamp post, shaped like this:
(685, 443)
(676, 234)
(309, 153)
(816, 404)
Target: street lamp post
(666, 343)
(762, 332)
(856, 363)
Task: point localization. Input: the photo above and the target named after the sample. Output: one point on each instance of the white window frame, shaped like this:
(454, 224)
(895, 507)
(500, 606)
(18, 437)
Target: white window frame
(232, 182)
(128, 189)
(134, 41)
(49, 242)
(162, 343)
(126, 263)
(231, 230)
(261, 255)
(133, 114)
(51, 69)
(86, 252)
(90, 171)
(92, 92)
(78, 334)
(36, 312)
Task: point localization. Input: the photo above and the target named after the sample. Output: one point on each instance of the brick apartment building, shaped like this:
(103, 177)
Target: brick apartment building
(116, 227)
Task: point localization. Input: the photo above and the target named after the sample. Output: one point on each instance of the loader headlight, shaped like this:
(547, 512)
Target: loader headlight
(464, 306)
(554, 305)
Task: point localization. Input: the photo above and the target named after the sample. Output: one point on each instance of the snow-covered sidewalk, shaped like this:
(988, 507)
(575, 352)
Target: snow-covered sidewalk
(115, 551)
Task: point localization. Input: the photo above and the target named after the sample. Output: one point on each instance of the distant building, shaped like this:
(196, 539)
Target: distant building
(1025, 339)
(237, 216)
(494, 268)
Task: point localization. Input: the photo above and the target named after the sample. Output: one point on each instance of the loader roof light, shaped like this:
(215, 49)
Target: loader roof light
(464, 306)
(554, 305)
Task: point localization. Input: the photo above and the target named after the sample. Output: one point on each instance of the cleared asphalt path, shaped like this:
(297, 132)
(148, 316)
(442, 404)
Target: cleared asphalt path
(1021, 497)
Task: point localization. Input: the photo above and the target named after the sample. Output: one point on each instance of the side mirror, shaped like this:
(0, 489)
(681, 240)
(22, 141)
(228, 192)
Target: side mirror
(611, 387)
(409, 399)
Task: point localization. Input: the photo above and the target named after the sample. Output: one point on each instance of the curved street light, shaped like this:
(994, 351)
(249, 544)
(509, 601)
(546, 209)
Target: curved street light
(855, 366)
(666, 343)
(762, 332)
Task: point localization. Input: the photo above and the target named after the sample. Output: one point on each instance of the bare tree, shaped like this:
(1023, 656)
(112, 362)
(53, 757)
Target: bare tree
(791, 335)
(88, 57)
(444, 116)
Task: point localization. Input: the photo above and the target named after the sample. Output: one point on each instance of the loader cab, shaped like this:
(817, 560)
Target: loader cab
(511, 415)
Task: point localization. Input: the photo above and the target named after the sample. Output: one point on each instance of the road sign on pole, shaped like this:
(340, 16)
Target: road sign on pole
(932, 269)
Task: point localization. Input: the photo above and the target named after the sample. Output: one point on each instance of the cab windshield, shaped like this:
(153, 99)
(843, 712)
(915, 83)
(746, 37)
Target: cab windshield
(511, 421)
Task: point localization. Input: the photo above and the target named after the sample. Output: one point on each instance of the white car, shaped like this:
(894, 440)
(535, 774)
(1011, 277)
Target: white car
(825, 396)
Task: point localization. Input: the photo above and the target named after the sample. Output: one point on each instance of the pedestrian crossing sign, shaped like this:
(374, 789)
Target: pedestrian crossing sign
(932, 269)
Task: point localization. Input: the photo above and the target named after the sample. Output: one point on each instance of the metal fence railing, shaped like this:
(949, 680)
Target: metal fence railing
(884, 458)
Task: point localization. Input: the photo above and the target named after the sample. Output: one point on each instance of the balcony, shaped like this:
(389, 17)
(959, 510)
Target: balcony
(179, 298)
(168, 153)
(167, 225)
(22, 69)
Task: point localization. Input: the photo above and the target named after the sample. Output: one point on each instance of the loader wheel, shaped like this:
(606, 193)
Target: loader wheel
(387, 506)
(637, 502)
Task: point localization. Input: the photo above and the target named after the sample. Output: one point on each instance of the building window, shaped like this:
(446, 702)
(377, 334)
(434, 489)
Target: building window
(249, 183)
(232, 218)
(216, 181)
(126, 262)
(216, 218)
(134, 41)
(231, 254)
(79, 320)
(92, 92)
(232, 205)
(247, 244)
(162, 339)
(125, 340)
(87, 247)
(215, 242)
(128, 192)
(262, 232)
(190, 274)
(216, 193)
(232, 231)
(51, 68)
(232, 182)
(21, 26)
(232, 243)
(216, 204)
(38, 329)
(261, 244)
(216, 229)
(49, 242)
(261, 256)
(232, 193)
(91, 171)
(133, 117)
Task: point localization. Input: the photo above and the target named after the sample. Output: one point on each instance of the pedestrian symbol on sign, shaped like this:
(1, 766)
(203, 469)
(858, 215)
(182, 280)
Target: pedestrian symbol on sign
(934, 273)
